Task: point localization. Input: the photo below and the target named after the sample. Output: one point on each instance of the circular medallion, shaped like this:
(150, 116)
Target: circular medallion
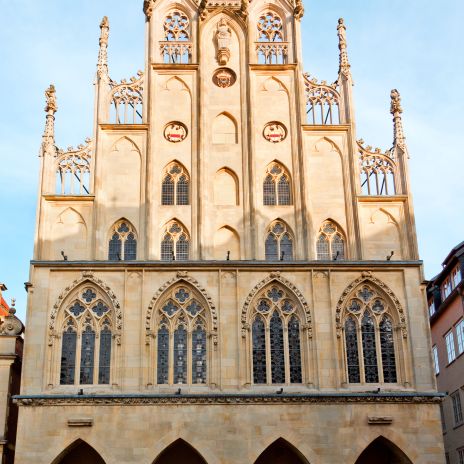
(175, 132)
(224, 77)
(275, 132)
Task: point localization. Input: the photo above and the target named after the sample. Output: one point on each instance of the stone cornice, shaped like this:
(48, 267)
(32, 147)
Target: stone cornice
(287, 266)
(125, 127)
(228, 399)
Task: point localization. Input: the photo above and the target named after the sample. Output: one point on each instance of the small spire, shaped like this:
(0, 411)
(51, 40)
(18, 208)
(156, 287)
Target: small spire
(342, 45)
(13, 307)
(48, 138)
(102, 66)
(396, 110)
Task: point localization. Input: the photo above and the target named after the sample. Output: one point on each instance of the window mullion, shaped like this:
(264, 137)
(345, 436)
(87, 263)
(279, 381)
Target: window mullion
(189, 356)
(96, 359)
(268, 354)
(77, 372)
(361, 354)
(171, 358)
(378, 351)
(287, 351)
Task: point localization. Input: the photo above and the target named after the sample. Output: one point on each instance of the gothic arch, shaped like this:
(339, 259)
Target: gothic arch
(381, 447)
(235, 20)
(383, 289)
(281, 450)
(232, 243)
(134, 146)
(383, 211)
(271, 80)
(188, 7)
(120, 220)
(76, 214)
(87, 276)
(276, 9)
(179, 451)
(177, 80)
(275, 277)
(333, 145)
(225, 129)
(228, 198)
(189, 280)
(77, 452)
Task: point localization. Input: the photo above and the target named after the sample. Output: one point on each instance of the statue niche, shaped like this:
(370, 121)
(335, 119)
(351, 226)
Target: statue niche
(223, 37)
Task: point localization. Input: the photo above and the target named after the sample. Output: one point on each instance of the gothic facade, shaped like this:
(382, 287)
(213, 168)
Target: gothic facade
(224, 272)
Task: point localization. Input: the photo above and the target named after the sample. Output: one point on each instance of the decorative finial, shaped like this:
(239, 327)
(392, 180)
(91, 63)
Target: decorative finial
(342, 45)
(102, 66)
(396, 110)
(50, 96)
(12, 326)
(148, 6)
(298, 12)
(244, 9)
(51, 107)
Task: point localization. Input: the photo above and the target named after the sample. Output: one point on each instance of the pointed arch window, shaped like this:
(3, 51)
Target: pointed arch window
(378, 171)
(369, 338)
(182, 346)
(330, 243)
(270, 46)
(279, 243)
(175, 189)
(86, 341)
(277, 186)
(123, 242)
(175, 245)
(176, 48)
(276, 338)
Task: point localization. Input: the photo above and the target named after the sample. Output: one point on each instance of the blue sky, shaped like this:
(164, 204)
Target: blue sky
(415, 46)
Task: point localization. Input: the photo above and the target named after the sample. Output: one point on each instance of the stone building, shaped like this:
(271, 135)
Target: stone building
(224, 272)
(445, 294)
(11, 351)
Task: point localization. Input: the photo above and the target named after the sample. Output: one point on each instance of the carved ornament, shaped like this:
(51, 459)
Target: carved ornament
(275, 277)
(369, 278)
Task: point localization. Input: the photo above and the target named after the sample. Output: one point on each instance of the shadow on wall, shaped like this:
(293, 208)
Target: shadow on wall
(179, 452)
(71, 233)
(77, 453)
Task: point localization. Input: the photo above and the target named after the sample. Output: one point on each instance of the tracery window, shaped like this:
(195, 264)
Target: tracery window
(330, 244)
(123, 242)
(73, 170)
(175, 188)
(270, 46)
(276, 186)
(175, 245)
(279, 243)
(369, 338)
(176, 47)
(182, 338)
(86, 340)
(276, 338)
(127, 101)
(322, 102)
(377, 172)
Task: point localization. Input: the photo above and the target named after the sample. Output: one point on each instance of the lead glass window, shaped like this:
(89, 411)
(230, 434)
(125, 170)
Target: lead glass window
(294, 348)
(182, 323)
(330, 244)
(175, 188)
(279, 243)
(176, 243)
(276, 356)
(388, 350)
(68, 356)
(457, 409)
(259, 351)
(369, 334)
(87, 325)
(123, 243)
(276, 186)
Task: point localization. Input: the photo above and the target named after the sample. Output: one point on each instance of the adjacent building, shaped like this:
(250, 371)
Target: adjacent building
(445, 294)
(224, 272)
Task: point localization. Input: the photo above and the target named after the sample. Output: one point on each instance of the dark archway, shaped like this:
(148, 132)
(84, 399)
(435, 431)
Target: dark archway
(78, 453)
(383, 451)
(179, 452)
(281, 452)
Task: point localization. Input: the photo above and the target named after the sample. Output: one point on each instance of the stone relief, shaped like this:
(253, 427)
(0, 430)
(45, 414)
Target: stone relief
(223, 37)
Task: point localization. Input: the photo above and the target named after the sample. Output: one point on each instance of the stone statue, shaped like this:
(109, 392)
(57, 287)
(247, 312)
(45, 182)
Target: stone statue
(223, 36)
(50, 95)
